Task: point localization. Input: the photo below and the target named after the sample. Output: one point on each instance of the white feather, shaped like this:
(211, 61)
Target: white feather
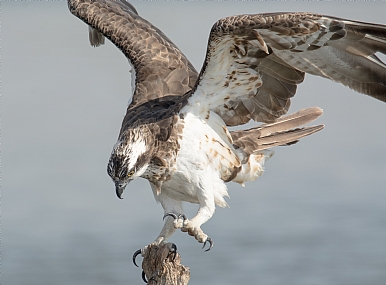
(198, 179)
(137, 148)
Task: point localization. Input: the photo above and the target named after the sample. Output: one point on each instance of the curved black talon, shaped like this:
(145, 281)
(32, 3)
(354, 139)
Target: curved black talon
(182, 216)
(173, 251)
(210, 244)
(135, 256)
(171, 215)
(144, 277)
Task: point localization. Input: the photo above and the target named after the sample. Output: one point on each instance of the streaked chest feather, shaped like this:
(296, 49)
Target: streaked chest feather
(205, 142)
(206, 153)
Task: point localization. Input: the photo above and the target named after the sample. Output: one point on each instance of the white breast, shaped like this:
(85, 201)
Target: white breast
(206, 154)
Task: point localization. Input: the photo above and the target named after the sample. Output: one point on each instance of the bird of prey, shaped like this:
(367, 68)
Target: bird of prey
(175, 132)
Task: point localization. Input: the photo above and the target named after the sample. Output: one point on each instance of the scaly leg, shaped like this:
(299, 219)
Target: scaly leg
(170, 206)
(171, 224)
(193, 226)
(204, 213)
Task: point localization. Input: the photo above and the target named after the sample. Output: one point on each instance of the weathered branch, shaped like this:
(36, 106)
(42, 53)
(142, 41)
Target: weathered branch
(163, 268)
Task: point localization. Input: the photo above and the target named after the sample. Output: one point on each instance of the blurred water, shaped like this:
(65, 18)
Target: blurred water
(317, 216)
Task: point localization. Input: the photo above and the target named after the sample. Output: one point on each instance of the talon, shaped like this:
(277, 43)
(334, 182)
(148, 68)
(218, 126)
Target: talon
(173, 251)
(144, 277)
(171, 215)
(181, 216)
(209, 240)
(135, 256)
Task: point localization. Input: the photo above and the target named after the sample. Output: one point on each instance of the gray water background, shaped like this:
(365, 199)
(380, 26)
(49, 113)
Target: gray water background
(317, 215)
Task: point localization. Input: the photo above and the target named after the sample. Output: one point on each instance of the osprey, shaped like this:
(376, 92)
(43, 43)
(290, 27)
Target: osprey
(175, 132)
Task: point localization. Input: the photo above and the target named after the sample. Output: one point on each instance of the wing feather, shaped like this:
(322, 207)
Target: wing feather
(255, 62)
(161, 69)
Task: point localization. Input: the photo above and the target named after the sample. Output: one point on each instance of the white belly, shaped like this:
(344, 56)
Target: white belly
(205, 156)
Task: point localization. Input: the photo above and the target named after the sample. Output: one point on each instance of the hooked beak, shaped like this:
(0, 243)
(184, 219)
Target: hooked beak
(119, 187)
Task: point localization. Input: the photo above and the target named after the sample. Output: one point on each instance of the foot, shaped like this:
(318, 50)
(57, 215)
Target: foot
(192, 228)
(178, 219)
(172, 251)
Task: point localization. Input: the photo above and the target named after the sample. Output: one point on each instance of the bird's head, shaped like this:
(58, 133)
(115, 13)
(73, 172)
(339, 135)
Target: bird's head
(129, 160)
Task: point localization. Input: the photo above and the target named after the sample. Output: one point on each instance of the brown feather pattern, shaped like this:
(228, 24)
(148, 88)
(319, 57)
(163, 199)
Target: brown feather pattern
(285, 131)
(282, 47)
(269, 55)
(161, 68)
(252, 68)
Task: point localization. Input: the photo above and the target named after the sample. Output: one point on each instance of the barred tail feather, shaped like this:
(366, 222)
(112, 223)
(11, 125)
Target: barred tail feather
(285, 131)
(252, 145)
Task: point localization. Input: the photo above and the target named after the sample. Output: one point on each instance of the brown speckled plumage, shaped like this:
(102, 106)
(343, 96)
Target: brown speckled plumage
(175, 133)
(161, 68)
(293, 41)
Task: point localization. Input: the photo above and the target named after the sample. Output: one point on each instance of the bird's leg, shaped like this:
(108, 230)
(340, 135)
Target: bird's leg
(173, 217)
(170, 206)
(167, 230)
(193, 226)
(178, 219)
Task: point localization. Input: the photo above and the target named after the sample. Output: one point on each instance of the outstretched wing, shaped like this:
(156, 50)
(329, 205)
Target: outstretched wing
(254, 62)
(161, 70)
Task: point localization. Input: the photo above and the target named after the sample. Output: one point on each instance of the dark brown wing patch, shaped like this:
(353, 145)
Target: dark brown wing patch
(161, 68)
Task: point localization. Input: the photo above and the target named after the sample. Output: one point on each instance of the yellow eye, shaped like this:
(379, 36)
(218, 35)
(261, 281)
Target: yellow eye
(130, 173)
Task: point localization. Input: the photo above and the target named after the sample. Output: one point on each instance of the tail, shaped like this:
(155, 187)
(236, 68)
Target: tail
(285, 131)
(252, 144)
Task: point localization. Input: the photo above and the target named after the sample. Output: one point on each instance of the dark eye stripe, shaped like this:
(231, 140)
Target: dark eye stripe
(118, 166)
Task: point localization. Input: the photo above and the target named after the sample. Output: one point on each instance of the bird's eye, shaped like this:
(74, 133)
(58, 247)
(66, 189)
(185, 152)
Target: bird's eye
(130, 173)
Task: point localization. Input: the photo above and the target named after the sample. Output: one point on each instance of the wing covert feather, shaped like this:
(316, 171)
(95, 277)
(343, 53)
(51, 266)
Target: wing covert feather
(161, 69)
(255, 62)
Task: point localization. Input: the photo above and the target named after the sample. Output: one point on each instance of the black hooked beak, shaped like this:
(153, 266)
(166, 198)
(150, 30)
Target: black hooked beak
(119, 187)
